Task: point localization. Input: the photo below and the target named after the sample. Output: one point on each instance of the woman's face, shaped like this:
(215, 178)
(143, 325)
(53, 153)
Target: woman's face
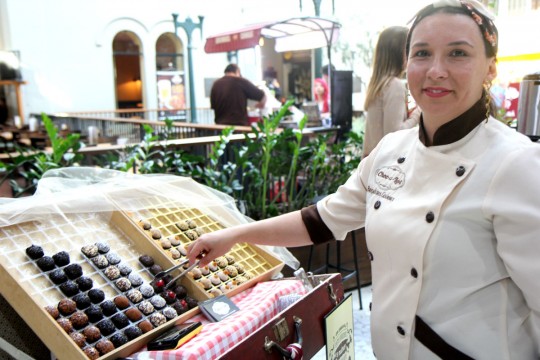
(447, 66)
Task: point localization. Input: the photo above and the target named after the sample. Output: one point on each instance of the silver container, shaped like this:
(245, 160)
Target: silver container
(528, 120)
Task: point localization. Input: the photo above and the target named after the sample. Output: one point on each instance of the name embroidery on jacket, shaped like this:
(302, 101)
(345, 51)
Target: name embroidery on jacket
(387, 178)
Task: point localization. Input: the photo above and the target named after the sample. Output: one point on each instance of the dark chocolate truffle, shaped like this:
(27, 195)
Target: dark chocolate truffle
(145, 326)
(113, 258)
(78, 338)
(180, 291)
(79, 319)
(96, 295)
(192, 303)
(85, 283)
(133, 332)
(57, 276)
(120, 320)
(123, 284)
(45, 263)
(104, 346)
(134, 314)
(91, 353)
(92, 333)
(61, 258)
(146, 290)
(53, 311)
(69, 288)
(169, 296)
(119, 339)
(146, 260)
(135, 279)
(155, 269)
(121, 302)
(169, 313)
(82, 300)
(34, 252)
(106, 327)
(103, 247)
(67, 306)
(73, 271)
(65, 324)
(181, 306)
(124, 268)
(108, 307)
(94, 313)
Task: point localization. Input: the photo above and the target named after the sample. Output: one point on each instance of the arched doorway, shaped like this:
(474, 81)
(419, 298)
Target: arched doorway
(127, 55)
(170, 80)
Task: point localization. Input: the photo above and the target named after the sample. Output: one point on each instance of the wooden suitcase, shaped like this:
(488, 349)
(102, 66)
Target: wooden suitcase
(309, 311)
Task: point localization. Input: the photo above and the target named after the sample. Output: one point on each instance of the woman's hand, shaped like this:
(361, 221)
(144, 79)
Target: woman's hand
(208, 247)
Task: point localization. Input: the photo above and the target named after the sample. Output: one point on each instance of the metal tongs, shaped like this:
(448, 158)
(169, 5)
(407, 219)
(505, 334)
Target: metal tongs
(180, 264)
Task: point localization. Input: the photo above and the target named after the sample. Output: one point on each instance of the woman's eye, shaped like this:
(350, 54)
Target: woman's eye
(458, 53)
(421, 53)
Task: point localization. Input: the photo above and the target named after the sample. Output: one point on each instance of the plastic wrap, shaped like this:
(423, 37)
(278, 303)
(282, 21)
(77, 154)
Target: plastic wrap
(80, 190)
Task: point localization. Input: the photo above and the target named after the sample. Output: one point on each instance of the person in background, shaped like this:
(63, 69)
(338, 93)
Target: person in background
(451, 208)
(321, 95)
(325, 70)
(272, 83)
(229, 96)
(386, 98)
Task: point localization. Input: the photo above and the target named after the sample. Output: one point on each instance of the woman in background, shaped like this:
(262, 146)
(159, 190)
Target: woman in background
(386, 98)
(321, 95)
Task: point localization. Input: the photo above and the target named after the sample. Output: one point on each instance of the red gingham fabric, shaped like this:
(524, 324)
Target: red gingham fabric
(257, 306)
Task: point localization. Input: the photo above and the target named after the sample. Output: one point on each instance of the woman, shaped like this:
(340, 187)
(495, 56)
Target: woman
(321, 95)
(386, 98)
(451, 209)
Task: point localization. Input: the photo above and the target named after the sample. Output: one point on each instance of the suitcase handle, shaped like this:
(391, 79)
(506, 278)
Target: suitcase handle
(292, 351)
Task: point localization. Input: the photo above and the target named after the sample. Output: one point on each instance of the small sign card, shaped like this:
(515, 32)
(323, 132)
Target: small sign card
(218, 308)
(339, 327)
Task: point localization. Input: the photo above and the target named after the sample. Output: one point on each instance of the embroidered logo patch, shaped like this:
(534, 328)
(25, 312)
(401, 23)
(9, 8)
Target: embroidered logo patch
(390, 178)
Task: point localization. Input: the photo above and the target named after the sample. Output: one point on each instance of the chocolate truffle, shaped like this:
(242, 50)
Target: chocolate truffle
(57, 276)
(61, 258)
(135, 296)
(94, 313)
(53, 311)
(192, 235)
(106, 327)
(124, 268)
(121, 302)
(175, 254)
(84, 283)
(123, 284)
(34, 252)
(69, 288)
(145, 326)
(157, 319)
(146, 260)
(146, 290)
(79, 319)
(165, 243)
(73, 271)
(133, 332)
(207, 284)
(113, 258)
(145, 224)
(45, 263)
(158, 302)
(191, 302)
(215, 292)
(180, 291)
(119, 339)
(108, 307)
(120, 320)
(230, 259)
(169, 313)
(103, 247)
(196, 273)
(92, 333)
(112, 272)
(169, 296)
(135, 279)
(239, 268)
(155, 269)
(82, 300)
(134, 314)
(156, 234)
(205, 271)
(96, 295)
(175, 240)
(100, 261)
(192, 224)
(180, 306)
(146, 307)
(91, 353)
(65, 324)
(90, 250)
(182, 225)
(78, 338)
(67, 306)
(104, 346)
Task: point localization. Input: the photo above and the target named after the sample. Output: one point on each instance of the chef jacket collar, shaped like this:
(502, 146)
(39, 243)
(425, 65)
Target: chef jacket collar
(457, 128)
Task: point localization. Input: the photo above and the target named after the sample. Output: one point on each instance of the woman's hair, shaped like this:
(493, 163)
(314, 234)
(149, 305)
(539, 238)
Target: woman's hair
(326, 94)
(388, 62)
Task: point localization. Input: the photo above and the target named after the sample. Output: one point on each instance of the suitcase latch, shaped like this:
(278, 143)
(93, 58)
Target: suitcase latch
(281, 330)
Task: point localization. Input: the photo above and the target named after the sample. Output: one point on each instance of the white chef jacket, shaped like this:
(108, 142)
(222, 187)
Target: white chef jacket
(453, 232)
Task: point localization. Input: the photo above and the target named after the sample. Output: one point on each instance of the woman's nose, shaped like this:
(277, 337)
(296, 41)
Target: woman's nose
(437, 69)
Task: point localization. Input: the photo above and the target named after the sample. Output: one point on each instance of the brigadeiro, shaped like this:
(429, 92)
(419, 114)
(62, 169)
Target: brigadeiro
(181, 306)
(61, 258)
(100, 261)
(135, 296)
(121, 302)
(104, 346)
(125, 269)
(146, 307)
(133, 332)
(65, 324)
(169, 296)
(120, 320)
(180, 291)
(78, 338)
(92, 333)
(53, 311)
(113, 258)
(146, 290)
(106, 327)
(145, 326)
(79, 319)
(91, 352)
(192, 303)
(45, 263)
(158, 301)
(67, 306)
(82, 300)
(112, 272)
(119, 339)
(96, 295)
(157, 319)
(123, 284)
(134, 314)
(103, 247)
(169, 313)
(69, 288)
(90, 250)
(34, 252)
(146, 260)
(135, 279)
(84, 283)
(108, 307)
(155, 269)
(57, 276)
(73, 271)
(94, 313)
